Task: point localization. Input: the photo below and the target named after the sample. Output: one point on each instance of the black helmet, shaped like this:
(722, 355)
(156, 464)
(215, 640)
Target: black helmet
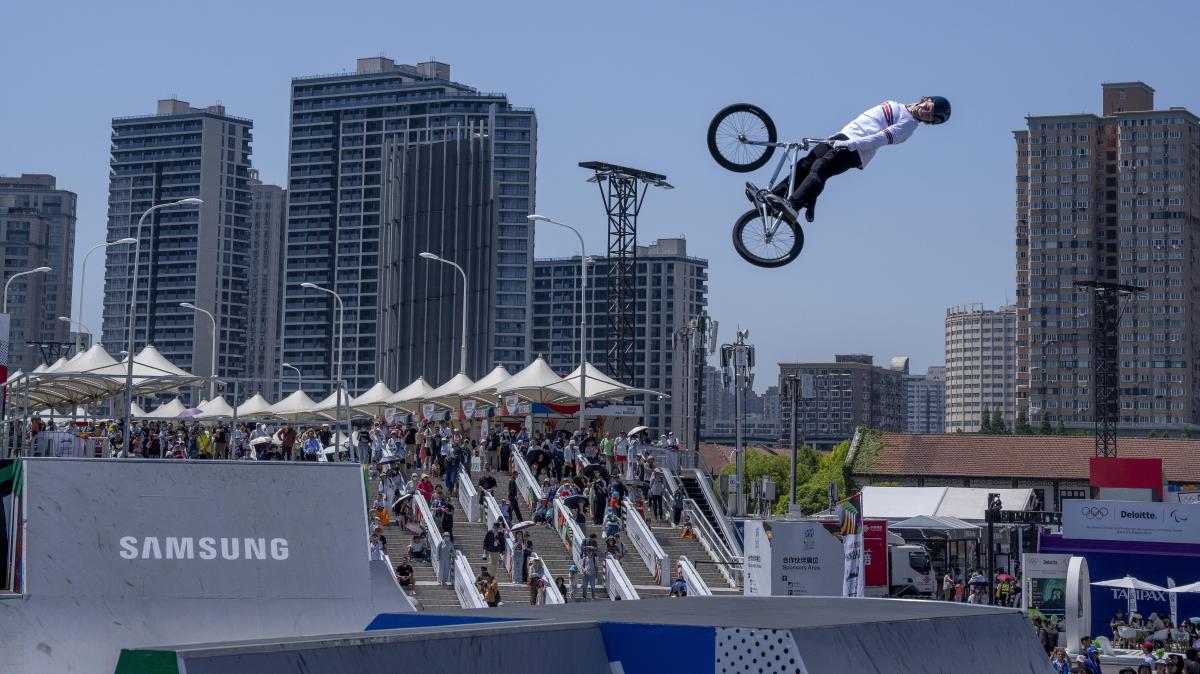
(941, 109)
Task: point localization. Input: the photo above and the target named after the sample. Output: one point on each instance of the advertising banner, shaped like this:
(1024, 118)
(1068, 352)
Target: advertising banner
(875, 554)
(4, 331)
(468, 408)
(757, 543)
(1131, 521)
(389, 415)
(511, 405)
(427, 411)
(850, 515)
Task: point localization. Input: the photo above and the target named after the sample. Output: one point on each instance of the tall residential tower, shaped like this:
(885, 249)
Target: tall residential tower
(385, 162)
(195, 254)
(980, 365)
(1112, 197)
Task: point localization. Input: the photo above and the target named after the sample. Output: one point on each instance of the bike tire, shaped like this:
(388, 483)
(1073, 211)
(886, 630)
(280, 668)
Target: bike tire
(749, 120)
(745, 243)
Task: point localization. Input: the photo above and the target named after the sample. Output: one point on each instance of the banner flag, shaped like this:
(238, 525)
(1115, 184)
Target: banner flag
(427, 411)
(849, 512)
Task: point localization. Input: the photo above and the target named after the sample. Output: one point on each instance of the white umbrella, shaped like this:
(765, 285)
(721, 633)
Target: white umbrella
(252, 408)
(406, 397)
(534, 384)
(373, 401)
(485, 389)
(636, 430)
(447, 395)
(296, 406)
(1131, 585)
(1190, 587)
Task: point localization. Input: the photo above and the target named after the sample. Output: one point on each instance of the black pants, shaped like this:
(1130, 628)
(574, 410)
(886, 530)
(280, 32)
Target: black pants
(656, 506)
(812, 170)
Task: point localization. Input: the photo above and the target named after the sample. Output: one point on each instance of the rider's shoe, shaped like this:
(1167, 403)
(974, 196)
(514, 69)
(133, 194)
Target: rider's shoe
(786, 211)
(808, 213)
(754, 193)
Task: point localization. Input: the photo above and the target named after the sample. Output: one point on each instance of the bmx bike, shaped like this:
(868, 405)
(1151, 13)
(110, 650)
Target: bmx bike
(742, 138)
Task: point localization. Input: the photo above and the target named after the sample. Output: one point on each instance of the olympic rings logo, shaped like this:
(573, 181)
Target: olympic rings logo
(1094, 513)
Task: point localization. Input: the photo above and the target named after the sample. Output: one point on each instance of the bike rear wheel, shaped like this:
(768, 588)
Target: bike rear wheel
(729, 130)
(755, 241)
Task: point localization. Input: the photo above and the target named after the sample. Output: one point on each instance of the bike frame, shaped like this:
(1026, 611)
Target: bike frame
(790, 150)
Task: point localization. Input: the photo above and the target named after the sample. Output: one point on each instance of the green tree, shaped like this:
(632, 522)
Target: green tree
(1185, 432)
(813, 493)
(1061, 429)
(1080, 433)
(777, 467)
(998, 426)
(1152, 434)
(985, 422)
(1166, 434)
(1021, 425)
(1044, 425)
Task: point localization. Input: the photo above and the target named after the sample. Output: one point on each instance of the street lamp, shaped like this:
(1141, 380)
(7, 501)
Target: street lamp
(78, 335)
(39, 270)
(137, 252)
(299, 378)
(212, 382)
(341, 336)
(583, 311)
(462, 364)
(83, 278)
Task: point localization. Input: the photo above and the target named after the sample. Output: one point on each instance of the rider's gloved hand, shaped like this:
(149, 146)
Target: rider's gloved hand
(840, 144)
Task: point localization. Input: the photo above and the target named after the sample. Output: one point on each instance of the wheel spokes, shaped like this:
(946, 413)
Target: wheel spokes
(761, 242)
(738, 126)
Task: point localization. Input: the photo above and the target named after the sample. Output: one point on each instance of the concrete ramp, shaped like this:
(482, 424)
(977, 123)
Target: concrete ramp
(117, 553)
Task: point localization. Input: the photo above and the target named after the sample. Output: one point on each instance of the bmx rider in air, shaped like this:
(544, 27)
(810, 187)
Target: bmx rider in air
(888, 123)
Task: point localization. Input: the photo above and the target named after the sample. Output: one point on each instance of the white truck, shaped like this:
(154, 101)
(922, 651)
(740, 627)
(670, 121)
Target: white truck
(909, 571)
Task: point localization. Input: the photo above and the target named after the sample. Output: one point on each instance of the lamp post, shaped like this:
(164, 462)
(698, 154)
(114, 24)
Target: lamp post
(39, 270)
(212, 382)
(299, 379)
(83, 278)
(137, 253)
(78, 335)
(462, 364)
(583, 310)
(341, 336)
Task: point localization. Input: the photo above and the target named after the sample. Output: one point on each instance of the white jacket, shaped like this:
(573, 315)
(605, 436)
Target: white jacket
(888, 123)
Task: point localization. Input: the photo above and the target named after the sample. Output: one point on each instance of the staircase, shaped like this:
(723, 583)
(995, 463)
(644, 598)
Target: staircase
(674, 546)
(692, 489)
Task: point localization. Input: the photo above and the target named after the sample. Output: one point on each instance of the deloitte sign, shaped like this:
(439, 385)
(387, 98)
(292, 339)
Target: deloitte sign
(1131, 521)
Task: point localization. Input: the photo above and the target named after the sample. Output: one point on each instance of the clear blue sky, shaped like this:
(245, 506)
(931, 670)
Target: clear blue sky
(929, 224)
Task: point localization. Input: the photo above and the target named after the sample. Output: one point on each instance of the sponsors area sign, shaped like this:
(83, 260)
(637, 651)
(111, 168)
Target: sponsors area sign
(1143, 521)
(786, 558)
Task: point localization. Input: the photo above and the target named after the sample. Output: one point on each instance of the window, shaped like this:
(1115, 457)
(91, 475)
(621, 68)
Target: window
(1064, 494)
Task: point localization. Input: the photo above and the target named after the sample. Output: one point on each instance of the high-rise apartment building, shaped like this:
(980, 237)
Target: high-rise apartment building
(356, 219)
(924, 401)
(1109, 197)
(37, 229)
(268, 204)
(835, 398)
(672, 288)
(196, 254)
(980, 365)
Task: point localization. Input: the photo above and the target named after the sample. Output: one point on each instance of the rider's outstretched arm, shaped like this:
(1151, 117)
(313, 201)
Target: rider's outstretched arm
(896, 133)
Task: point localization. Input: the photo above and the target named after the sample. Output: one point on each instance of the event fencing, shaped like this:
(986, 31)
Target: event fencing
(616, 583)
(646, 544)
(570, 533)
(527, 484)
(695, 583)
(468, 497)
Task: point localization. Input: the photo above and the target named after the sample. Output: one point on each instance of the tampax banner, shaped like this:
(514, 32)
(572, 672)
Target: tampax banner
(1142, 521)
(849, 514)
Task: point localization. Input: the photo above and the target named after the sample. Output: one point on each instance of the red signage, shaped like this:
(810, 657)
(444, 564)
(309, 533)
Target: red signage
(1128, 473)
(875, 553)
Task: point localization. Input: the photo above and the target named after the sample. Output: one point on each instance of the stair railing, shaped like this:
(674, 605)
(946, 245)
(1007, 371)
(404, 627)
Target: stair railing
(491, 510)
(464, 583)
(527, 483)
(436, 540)
(468, 496)
(646, 544)
(696, 587)
(553, 596)
(570, 533)
(718, 510)
(728, 565)
(616, 583)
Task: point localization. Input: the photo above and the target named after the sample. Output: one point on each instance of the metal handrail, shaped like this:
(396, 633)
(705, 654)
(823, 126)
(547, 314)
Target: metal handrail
(570, 533)
(492, 512)
(616, 583)
(468, 497)
(436, 541)
(696, 587)
(529, 488)
(646, 544)
(727, 564)
(726, 526)
(464, 583)
(553, 596)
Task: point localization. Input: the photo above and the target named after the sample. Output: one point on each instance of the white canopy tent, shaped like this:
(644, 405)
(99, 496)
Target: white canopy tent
(406, 397)
(485, 388)
(296, 406)
(963, 503)
(328, 407)
(373, 401)
(215, 409)
(597, 385)
(534, 384)
(448, 394)
(253, 407)
(167, 410)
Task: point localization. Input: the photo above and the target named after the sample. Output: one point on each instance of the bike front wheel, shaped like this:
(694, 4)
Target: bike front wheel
(766, 240)
(733, 131)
